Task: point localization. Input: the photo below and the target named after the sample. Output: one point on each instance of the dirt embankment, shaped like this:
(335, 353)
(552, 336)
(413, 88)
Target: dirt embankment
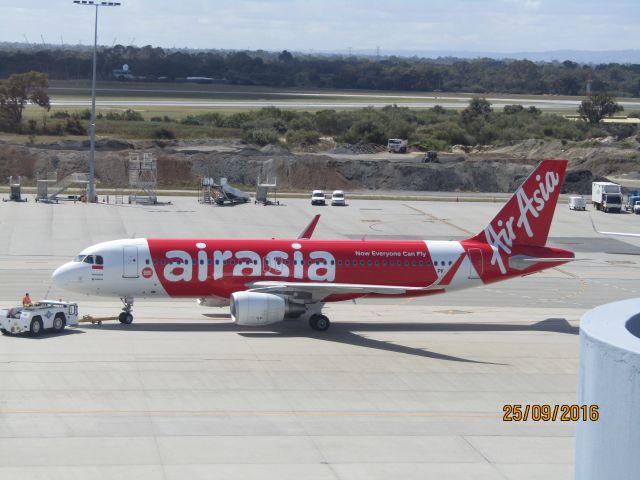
(181, 165)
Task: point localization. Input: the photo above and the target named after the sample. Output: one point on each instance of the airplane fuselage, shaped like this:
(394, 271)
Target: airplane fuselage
(215, 268)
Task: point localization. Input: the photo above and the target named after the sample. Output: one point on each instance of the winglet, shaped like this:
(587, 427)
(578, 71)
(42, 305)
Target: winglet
(308, 231)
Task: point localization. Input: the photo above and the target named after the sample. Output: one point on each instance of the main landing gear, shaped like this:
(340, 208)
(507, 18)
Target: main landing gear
(319, 322)
(126, 316)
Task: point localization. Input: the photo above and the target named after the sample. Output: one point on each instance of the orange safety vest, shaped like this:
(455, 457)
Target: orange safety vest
(26, 301)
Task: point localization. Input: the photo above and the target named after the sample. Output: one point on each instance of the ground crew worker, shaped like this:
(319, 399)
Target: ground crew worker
(26, 301)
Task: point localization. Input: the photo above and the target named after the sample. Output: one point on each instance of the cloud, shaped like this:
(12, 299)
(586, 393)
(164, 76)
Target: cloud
(302, 25)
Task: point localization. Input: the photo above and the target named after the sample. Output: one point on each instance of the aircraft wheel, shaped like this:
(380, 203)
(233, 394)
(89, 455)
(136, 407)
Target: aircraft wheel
(319, 323)
(125, 318)
(35, 328)
(58, 322)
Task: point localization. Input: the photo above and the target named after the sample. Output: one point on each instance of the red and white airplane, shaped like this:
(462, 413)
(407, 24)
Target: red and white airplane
(268, 280)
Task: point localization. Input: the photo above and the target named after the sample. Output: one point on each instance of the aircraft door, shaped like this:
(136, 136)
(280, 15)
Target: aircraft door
(130, 262)
(475, 265)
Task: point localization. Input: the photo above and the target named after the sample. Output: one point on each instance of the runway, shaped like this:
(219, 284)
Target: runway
(403, 388)
(154, 96)
(570, 105)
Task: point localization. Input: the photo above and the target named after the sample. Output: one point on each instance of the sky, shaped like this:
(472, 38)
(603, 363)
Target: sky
(333, 25)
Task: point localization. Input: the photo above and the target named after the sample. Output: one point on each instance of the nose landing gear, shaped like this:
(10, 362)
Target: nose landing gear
(126, 317)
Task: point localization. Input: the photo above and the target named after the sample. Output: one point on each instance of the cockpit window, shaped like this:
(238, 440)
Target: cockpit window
(99, 260)
(88, 259)
(79, 258)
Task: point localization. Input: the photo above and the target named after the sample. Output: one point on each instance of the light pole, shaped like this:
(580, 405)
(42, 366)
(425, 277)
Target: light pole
(92, 127)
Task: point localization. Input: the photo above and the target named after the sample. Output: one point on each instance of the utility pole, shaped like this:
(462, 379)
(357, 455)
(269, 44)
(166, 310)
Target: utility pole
(91, 194)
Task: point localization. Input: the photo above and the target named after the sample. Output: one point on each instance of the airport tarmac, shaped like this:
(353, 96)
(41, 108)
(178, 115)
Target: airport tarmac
(408, 388)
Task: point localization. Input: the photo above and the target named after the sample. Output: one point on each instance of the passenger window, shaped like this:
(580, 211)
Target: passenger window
(421, 263)
(347, 263)
(147, 261)
(449, 262)
(362, 263)
(162, 262)
(369, 263)
(413, 263)
(384, 263)
(406, 263)
(392, 263)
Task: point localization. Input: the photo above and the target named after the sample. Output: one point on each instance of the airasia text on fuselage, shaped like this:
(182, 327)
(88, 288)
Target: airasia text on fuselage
(181, 266)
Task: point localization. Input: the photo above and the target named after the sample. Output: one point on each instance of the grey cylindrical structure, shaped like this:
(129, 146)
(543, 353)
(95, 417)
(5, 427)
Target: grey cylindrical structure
(610, 378)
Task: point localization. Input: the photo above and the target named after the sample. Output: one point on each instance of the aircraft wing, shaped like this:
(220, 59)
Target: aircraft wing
(320, 290)
(618, 234)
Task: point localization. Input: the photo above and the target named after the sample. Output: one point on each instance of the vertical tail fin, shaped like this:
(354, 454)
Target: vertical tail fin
(526, 217)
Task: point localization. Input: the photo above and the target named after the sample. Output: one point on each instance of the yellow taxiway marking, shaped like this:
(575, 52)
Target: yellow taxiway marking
(442, 220)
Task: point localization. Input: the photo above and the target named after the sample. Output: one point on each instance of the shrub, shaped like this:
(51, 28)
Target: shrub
(74, 127)
(261, 136)
(513, 109)
(127, 116)
(60, 114)
(163, 133)
(303, 137)
(190, 120)
(430, 144)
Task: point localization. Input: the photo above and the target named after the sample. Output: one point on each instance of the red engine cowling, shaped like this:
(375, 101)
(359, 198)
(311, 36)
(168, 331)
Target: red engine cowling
(253, 308)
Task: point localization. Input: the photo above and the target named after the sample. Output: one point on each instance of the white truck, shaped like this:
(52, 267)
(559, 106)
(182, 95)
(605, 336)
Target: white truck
(606, 196)
(46, 314)
(397, 145)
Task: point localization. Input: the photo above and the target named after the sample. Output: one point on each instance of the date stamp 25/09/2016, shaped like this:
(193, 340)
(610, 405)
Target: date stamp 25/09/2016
(550, 413)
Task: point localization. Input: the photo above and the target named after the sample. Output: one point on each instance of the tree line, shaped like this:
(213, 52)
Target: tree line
(429, 129)
(285, 69)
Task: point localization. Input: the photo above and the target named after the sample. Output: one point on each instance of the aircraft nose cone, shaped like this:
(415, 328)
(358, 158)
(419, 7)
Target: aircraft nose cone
(65, 275)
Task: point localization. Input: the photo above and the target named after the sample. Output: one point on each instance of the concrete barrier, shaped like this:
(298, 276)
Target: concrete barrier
(609, 377)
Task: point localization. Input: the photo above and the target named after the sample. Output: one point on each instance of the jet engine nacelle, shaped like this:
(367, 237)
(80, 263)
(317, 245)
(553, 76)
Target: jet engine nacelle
(253, 308)
(213, 301)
